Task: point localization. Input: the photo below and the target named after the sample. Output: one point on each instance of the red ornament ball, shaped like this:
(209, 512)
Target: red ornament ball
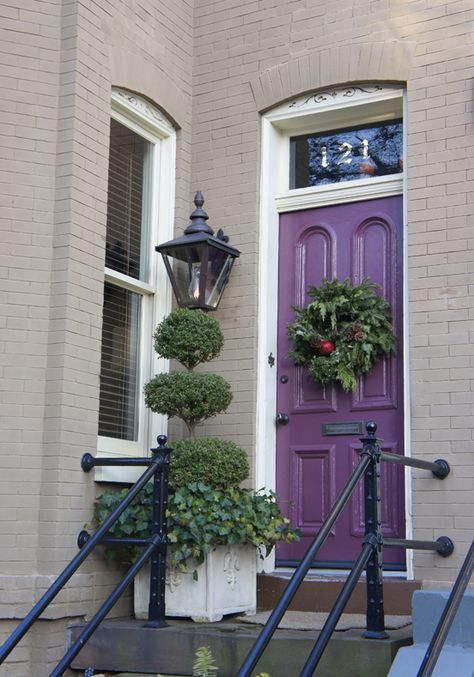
(327, 347)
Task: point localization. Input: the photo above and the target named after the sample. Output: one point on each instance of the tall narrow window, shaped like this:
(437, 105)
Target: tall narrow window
(134, 296)
(126, 253)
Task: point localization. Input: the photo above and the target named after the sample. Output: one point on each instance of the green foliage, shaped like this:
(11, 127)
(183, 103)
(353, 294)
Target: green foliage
(200, 517)
(192, 397)
(358, 322)
(189, 336)
(204, 665)
(215, 462)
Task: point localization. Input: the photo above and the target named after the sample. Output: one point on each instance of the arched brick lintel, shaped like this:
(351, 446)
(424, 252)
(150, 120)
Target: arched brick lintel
(130, 72)
(348, 64)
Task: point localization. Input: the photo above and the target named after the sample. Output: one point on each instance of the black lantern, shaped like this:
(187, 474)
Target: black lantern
(199, 262)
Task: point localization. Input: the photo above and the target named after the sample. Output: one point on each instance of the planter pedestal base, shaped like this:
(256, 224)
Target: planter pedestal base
(226, 584)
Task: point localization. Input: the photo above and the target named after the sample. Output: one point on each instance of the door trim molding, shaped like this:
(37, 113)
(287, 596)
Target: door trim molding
(275, 198)
(339, 193)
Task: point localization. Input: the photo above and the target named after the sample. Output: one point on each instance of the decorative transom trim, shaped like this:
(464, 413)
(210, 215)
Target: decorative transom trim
(141, 107)
(335, 93)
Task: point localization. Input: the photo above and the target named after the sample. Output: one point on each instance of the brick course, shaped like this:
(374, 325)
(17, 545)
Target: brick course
(212, 67)
(57, 60)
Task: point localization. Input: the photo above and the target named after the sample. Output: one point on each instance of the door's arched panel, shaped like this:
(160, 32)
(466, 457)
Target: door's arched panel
(374, 256)
(315, 250)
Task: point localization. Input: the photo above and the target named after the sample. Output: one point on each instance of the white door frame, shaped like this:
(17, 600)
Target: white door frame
(339, 107)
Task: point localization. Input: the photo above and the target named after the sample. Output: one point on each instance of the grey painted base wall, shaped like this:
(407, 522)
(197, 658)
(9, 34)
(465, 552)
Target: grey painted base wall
(457, 656)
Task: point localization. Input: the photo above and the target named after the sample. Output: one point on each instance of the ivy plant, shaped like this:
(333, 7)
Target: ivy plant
(200, 517)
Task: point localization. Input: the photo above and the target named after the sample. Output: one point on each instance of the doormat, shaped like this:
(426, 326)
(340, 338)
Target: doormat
(308, 620)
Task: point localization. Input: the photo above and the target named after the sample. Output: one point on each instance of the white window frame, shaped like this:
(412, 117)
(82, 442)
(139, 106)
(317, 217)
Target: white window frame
(141, 117)
(338, 107)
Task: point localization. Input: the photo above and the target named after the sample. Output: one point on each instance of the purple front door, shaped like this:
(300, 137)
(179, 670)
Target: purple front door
(354, 241)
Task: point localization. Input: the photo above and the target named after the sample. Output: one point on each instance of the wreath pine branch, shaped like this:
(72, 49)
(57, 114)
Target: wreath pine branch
(342, 332)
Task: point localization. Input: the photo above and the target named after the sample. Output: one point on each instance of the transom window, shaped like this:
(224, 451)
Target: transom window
(346, 154)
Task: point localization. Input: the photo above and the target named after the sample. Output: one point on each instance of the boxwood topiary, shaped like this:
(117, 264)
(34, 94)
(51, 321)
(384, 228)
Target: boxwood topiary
(217, 463)
(189, 336)
(191, 397)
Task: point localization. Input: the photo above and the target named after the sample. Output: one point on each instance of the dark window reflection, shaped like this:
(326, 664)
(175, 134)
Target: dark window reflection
(119, 366)
(346, 155)
(125, 199)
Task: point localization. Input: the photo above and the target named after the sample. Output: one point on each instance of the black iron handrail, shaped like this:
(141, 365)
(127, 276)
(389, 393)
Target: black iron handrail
(444, 624)
(155, 548)
(370, 557)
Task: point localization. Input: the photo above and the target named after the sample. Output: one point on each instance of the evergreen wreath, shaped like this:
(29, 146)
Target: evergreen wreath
(342, 332)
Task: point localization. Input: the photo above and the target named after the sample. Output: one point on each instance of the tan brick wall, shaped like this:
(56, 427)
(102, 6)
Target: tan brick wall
(251, 57)
(60, 60)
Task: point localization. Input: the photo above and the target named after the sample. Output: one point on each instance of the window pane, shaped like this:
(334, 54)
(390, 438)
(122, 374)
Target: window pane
(347, 154)
(126, 213)
(120, 364)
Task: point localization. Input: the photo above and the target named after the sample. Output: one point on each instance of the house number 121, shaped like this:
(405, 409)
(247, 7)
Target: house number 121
(346, 151)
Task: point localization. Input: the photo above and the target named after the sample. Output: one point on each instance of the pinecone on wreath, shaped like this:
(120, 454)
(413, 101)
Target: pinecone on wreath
(316, 342)
(356, 333)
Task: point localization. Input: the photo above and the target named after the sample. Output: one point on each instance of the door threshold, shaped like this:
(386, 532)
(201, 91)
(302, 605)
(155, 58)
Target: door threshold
(333, 574)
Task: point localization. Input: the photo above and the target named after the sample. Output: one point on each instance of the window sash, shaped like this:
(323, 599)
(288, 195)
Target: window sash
(120, 363)
(131, 111)
(137, 286)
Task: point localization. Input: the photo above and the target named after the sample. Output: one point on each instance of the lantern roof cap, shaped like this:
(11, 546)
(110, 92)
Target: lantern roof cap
(199, 238)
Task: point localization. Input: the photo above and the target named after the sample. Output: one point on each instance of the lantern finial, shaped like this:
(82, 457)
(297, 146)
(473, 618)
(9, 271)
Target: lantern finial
(199, 217)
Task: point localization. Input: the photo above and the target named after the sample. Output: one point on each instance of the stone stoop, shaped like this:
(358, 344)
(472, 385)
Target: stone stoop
(319, 592)
(127, 646)
(457, 655)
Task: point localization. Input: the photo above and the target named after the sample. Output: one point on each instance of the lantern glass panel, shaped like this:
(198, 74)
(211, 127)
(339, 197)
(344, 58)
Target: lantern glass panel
(219, 267)
(180, 275)
(198, 274)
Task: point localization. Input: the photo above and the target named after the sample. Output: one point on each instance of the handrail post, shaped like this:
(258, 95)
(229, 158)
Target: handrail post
(156, 606)
(373, 525)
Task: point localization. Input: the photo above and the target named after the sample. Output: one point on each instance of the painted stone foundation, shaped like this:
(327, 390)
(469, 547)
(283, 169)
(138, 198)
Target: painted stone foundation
(226, 584)
(457, 655)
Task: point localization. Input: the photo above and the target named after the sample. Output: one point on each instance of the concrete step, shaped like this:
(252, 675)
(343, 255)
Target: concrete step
(128, 646)
(318, 593)
(457, 655)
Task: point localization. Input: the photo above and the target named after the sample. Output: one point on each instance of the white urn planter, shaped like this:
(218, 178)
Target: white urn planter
(226, 584)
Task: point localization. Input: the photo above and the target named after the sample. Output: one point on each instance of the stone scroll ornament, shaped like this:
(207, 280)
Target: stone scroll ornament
(342, 332)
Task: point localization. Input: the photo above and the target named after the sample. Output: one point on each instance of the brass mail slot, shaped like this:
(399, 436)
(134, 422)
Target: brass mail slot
(344, 428)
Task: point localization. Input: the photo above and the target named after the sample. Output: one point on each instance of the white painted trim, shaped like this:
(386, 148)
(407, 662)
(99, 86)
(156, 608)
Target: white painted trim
(275, 198)
(339, 193)
(139, 115)
(334, 99)
(130, 283)
(406, 361)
